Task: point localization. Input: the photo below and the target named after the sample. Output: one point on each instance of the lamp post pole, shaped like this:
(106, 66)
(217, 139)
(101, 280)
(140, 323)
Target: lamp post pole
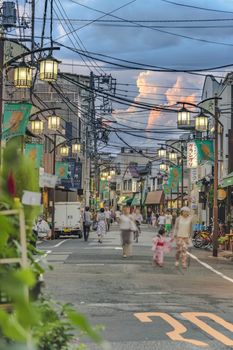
(54, 189)
(217, 122)
(215, 203)
(182, 175)
(141, 194)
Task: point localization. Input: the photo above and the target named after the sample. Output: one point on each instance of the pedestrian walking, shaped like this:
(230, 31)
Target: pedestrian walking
(138, 220)
(101, 225)
(153, 219)
(118, 215)
(161, 220)
(158, 248)
(148, 217)
(108, 218)
(86, 223)
(182, 234)
(126, 227)
(168, 222)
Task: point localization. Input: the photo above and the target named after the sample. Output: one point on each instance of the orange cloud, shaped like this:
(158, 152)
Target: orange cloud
(174, 94)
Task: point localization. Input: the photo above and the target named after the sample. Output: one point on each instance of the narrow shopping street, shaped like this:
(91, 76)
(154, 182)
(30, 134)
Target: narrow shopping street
(139, 305)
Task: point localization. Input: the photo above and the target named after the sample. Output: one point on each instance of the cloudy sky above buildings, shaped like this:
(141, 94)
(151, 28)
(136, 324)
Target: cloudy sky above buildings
(174, 40)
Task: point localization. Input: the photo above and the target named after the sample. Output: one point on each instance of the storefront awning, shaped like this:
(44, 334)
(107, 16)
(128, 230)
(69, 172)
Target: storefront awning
(154, 197)
(227, 181)
(136, 200)
(121, 200)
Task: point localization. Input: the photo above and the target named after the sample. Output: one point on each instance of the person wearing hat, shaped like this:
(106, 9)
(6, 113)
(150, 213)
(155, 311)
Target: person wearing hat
(182, 234)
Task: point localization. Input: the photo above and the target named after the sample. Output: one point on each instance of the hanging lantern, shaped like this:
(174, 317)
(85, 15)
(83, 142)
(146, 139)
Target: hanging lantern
(23, 76)
(172, 156)
(112, 172)
(49, 69)
(76, 148)
(201, 122)
(109, 177)
(162, 152)
(183, 119)
(105, 174)
(163, 166)
(64, 151)
(37, 126)
(54, 122)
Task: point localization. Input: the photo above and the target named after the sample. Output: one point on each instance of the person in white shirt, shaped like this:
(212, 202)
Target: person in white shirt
(126, 227)
(161, 220)
(168, 222)
(182, 233)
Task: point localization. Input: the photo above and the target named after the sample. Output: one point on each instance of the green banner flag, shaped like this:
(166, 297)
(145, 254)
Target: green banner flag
(15, 119)
(35, 152)
(166, 189)
(103, 186)
(205, 150)
(174, 177)
(61, 170)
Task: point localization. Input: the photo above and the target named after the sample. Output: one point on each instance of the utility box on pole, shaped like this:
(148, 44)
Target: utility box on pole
(8, 14)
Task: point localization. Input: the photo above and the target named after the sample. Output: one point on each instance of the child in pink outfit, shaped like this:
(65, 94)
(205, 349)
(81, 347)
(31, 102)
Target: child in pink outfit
(160, 246)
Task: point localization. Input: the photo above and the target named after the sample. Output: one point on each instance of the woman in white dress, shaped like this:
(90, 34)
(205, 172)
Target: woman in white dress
(101, 225)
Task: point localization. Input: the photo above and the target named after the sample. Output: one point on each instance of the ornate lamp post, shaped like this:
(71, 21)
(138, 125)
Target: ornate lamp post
(64, 151)
(183, 119)
(201, 122)
(76, 148)
(37, 126)
(48, 68)
(23, 76)
(162, 152)
(172, 156)
(215, 115)
(54, 122)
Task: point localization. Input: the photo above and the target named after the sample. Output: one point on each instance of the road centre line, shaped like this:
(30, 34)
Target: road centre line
(60, 243)
(207, 266)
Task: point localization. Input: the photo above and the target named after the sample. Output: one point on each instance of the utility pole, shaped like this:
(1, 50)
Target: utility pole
(215, 204)
(182, 175)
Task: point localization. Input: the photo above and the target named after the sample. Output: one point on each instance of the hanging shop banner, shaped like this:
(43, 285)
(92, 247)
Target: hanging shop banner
(174, 177)
(35, 152)
(15, 119)
(166, 189)
(61, 170)
(205, 150)
(192, 155)
(103, 186)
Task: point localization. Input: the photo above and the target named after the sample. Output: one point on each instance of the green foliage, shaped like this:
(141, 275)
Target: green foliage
(28, 324)
(223, 239)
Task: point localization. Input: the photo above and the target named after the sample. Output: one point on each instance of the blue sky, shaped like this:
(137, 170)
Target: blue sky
(148, 45)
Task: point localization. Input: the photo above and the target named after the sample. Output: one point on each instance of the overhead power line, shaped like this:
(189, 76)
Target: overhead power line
(155, 29)
(195, 7)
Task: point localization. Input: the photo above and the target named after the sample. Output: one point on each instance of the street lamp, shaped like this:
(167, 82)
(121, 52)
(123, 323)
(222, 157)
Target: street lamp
(162, 152)
(37, 126)
(201, 122)
(183, 119)
(217, 123)
(48, 68)
(64, 151)
(54, 122)
(172, 156)
(23, 76)
(76, 148)
(163, 166)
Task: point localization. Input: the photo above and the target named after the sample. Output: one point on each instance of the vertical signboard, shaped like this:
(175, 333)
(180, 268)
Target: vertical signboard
(192, 155)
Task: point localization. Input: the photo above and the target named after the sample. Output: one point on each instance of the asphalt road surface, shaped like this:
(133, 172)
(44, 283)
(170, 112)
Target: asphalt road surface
(144, 307)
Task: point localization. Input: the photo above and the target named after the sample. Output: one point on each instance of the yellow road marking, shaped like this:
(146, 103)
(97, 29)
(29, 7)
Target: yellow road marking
(179, 329)
(193, 317)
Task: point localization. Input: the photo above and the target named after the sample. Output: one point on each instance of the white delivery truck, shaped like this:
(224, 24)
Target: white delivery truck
(68, 219)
